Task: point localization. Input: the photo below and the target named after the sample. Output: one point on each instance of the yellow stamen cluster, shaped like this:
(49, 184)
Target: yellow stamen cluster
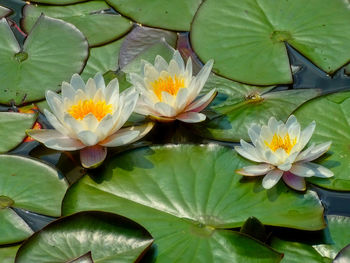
(285, 143)
(99, 109)
(168, 84)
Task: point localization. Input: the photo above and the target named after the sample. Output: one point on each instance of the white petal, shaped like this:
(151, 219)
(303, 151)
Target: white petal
(56, 123)
(99, 80)
(67, 91)
(55, 140)
(273, 125)
(105, 126)
(141, 129)
(55, 103)
(121, 137)
(254, 170)
(292, 120)
(160, 63)
(112, 90)
(181, 99)
(198, 104)
(191, 117)
(173, 68)
(88, 138)
(165, 109)
(272, 178)
(77, 82)
(93, 156)
(306, 135)
(313, 153)
(189, 68)
(285, 166)
(90, 122)
(248, 153)
(179, 61)
(311, 169)
(90, 89)
(99, 96)
(75, 125)
(254, 133)
(151, 73)
(203, 74)
(168, 98)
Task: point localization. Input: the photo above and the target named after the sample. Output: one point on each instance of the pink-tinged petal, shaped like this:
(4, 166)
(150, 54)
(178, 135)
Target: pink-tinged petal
(314, 152)
(55, 140)
(88, 138)
(254, 170)
(121, 137)
(311, 169)
(191, 117)
(93, 156)
(272, 178)
(202, 102)
(294, 182)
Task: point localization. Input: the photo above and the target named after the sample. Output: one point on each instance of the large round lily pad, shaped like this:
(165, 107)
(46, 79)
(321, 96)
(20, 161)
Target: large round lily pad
(238, 106)
(171, 14)
(52, 52)
(108, 238)
(29, 185)
(246, 38)
(102, 59)
(98, 27)
(188, 196)
(339, 235)
(13, 127)
(332, 115)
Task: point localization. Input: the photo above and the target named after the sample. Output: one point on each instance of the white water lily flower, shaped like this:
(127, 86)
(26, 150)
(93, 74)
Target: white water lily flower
(278, 147)
(168, 91)
(89, 118)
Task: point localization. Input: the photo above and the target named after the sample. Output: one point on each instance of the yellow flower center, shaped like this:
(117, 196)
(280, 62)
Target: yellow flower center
(99, 109)
(285, 143)
(169, 84)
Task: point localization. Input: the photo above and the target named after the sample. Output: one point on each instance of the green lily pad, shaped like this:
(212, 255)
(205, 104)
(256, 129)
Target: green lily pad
(89, 18)
(102, 59)
(238, 106)
(174, 14)
(161, 48)
(8, 254)
(4, 11)
(13, 127)
(52, 52)
(295, 252)
(188, 196)
(109, 238)
(332, 115)
(29, 185)
(247, 38)
(58, 2)
(338, 232)
(140, 39)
